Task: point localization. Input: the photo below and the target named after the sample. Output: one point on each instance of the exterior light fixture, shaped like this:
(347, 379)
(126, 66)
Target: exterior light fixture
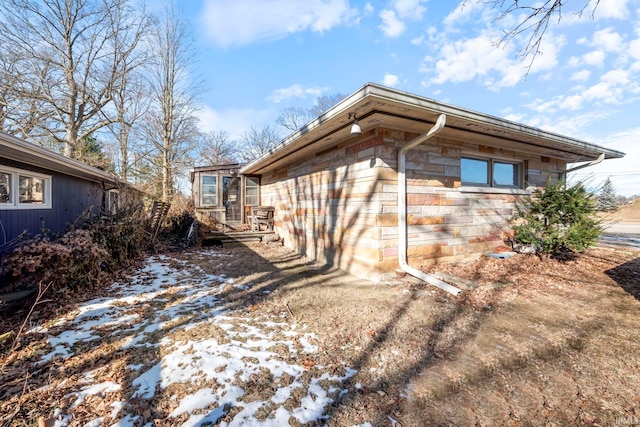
(355, 128)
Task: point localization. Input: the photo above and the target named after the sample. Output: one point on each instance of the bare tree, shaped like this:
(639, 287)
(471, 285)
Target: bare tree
(533, 18)
(293, 118)
(171, 123)
(72, 59)
(325, 102)
(19, 114)
(217, 148)
(257, 142)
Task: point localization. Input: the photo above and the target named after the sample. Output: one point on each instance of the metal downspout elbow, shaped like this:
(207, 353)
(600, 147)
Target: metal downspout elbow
(402, 210)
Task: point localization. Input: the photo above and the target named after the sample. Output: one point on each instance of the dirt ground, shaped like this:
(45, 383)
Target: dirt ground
(532, 343)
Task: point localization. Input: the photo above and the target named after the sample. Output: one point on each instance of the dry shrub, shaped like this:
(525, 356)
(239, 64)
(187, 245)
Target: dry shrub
(82, 257)
(73, 260)
(122, 235)
(180, 216)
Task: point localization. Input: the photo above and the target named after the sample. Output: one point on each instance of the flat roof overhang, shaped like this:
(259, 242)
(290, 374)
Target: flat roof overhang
(21, 151)
(377, 106)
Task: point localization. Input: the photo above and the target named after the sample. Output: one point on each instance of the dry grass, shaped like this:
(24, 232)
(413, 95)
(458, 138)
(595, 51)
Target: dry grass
(626, 213)
(555, 343)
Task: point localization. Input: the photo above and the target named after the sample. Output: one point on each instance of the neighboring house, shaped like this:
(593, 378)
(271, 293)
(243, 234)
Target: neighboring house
(40, 189)
(395, 195)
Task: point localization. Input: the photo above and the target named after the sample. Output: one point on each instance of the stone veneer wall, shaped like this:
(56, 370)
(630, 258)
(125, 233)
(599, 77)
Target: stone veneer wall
(340, 206)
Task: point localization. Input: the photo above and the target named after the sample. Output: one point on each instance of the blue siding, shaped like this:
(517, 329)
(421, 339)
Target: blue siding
(70, 198)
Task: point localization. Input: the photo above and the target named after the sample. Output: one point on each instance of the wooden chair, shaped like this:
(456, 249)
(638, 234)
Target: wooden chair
(262, 216)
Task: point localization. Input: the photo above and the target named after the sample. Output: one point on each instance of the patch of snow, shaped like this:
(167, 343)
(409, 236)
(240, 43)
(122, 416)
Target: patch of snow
(100, 389)
(307, 347)
(147, 383)
(117, 408)
(95, 423)
(177, 297)
(128, 421)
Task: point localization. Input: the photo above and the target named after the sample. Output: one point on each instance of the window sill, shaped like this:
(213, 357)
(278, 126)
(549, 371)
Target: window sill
(496, 190)
(11, 207)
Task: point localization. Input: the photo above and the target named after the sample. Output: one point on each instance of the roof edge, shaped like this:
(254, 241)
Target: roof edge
(85, 171)
(376, 90)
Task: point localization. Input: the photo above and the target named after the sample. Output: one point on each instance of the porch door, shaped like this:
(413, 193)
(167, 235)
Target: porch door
(231, 198)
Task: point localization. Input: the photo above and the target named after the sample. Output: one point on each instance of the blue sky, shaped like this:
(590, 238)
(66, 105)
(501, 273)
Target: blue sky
(259, 57)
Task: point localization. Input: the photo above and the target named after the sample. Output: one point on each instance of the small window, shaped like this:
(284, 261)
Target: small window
(113, 202)
(32, 190)
(489, 172)
(24, 190)
(209, 190)
(5, 188)
(252, 191)
(474, 171)
(505, 174)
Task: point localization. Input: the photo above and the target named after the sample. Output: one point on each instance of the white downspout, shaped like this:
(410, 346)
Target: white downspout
(586, 165)
(402, 210)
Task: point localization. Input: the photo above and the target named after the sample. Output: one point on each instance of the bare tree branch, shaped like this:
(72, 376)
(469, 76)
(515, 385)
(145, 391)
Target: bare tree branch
(171, 123)
(216, 148)
(257, 142)
(70, 61)
(533, 20)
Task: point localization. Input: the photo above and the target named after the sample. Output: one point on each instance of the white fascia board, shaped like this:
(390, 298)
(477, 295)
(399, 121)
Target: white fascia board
(57, 162)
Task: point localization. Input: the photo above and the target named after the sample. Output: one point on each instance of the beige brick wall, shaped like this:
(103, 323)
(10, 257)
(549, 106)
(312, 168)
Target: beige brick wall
(340, 207)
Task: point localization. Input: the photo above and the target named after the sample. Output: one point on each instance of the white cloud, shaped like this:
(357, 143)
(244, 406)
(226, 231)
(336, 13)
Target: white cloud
(240, 22)
(233, 121)
(595, 58)
(616, 9)
(295, 91)
(466, 59)
(624, 173)
(463, 13)
(390, 80)
(547, 58)
(634, 49)
(409, 9)
(581, 76)
(368, 9)
(612, 88)
(608, 40)
(391, 26)
(393, 18)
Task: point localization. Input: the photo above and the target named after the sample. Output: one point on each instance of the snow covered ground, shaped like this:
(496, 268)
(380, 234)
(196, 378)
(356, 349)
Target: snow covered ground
(188, 355)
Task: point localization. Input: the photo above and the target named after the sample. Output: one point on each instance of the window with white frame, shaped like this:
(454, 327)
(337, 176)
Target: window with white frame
(252, 191)
(490, 172)
(20, 189)
(209, 190)
(112, 202)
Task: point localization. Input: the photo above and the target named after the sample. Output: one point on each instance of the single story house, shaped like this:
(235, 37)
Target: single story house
(416, 182)
(41, 189)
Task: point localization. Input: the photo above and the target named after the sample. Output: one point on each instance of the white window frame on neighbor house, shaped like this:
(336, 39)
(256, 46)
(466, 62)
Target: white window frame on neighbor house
(489, 179)
(113, 201)
(213, 194)
(14, 202)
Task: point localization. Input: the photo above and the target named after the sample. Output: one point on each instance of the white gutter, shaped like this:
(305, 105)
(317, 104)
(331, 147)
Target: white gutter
(402, 210)
(586, 165)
